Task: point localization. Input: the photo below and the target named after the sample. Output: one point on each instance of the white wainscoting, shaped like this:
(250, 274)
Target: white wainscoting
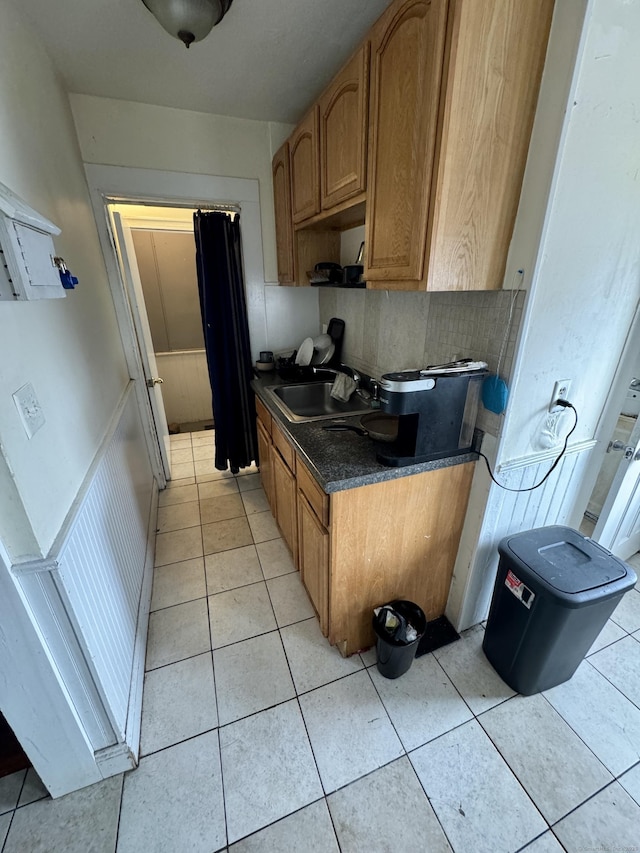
(508, 512)
(102, 560)
(91, 594)
(185, 389)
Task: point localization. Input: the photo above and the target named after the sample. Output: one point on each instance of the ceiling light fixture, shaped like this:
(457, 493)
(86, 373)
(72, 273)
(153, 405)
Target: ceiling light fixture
(188, 20)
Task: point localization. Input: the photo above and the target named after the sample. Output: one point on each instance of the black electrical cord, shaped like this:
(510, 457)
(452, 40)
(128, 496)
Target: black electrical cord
(565, 405)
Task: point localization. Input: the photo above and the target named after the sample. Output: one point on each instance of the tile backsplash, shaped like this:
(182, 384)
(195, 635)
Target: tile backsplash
(388, 330)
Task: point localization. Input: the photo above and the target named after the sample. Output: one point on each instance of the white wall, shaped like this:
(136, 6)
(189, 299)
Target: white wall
(122, 133)
(587, 277)
(68, 349)
(584, 265)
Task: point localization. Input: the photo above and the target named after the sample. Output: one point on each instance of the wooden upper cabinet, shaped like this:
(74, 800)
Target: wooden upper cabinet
(343, 132)
(497, 55)
(284, 226)
(454, 88)
(452, 92)
(305, 171)
(407, 48)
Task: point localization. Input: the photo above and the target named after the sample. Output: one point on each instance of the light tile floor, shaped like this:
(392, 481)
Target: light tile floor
(256, 734)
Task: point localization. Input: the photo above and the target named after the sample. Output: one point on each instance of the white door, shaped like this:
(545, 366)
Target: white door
(133, 286)
(618, 527)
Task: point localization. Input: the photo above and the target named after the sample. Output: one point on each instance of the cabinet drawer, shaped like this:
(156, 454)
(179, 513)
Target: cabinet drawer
(263, 414)
(318, 499)
(286, 451)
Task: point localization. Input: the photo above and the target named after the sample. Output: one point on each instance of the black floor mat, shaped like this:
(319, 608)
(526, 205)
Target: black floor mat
(440, 632)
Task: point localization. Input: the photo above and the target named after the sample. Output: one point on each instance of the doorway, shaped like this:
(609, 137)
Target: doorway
(186, 191)
(612, 516)
(612, 513)
(163, 249)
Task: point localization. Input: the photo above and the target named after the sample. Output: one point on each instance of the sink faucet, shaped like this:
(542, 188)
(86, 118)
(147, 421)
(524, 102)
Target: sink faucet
(342, 368)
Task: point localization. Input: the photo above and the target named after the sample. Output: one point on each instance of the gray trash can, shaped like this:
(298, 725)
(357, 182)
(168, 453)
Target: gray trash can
(554, 591)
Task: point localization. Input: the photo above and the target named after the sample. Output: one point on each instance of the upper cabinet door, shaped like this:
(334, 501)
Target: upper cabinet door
(305, 172)
(407, 47)
(343, 132)
(282, 203)
(497, 56)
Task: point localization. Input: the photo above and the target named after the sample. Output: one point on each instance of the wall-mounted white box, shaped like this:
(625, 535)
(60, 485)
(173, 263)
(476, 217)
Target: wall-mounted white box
(27, 268)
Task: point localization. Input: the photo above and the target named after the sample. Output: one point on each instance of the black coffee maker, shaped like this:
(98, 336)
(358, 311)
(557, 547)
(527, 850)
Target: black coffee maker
(436, 408)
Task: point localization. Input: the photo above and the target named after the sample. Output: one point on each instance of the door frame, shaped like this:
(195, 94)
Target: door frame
(628, 364)
(122, 184)
(122, 239)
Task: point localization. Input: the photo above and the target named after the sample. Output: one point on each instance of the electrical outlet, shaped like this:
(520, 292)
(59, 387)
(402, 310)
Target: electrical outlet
(560, 392)
(30, 410)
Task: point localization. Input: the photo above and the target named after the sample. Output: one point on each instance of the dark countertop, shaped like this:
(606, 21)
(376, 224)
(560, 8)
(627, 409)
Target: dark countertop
(343, 460)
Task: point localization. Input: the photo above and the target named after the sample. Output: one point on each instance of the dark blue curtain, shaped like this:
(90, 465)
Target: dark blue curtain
(226, 335)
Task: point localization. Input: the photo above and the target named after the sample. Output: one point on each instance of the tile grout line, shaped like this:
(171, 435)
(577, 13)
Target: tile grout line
(14, 810)
(577, 734)
(529, 844)
(504, 758)
(407, 756)
(304, 723)
(281, 819)
(589, 798)
(511, 770)
(476, 719)
(213, 674)
(120, 809)
(635, 704)
(450, 680)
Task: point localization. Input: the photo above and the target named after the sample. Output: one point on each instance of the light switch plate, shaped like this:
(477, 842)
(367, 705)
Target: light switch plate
(29, 408)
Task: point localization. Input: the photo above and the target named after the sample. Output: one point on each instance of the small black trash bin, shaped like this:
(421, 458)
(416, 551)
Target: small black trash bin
(554, 591)
(395, 656)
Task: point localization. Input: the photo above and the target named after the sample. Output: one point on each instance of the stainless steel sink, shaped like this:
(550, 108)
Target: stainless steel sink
(312, 401)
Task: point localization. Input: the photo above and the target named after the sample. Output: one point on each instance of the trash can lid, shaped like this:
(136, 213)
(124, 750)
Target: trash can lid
(565, 559)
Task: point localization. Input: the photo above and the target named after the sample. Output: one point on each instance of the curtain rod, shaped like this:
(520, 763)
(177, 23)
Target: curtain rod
(186, 205)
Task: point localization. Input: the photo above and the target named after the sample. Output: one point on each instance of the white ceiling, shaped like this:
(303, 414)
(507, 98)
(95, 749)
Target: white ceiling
(267, 59)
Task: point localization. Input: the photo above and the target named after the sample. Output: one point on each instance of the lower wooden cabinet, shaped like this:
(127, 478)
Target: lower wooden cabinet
(284, 487)
(361, 547)
(395, 539)
(277, 473)
(264, 455)
(313, 556)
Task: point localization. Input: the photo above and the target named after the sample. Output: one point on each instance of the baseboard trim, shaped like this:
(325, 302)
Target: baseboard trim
(115, 759)
(544, 456)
